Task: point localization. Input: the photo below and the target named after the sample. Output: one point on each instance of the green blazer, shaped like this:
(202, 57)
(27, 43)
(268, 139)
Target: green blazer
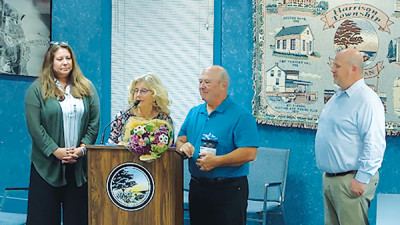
(45, 125)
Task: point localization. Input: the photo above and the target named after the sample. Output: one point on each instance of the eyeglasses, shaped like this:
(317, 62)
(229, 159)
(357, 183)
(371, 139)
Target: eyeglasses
(58, 43)
(143, 91)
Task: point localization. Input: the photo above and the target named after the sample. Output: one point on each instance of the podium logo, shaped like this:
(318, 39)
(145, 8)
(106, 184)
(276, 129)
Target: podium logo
(130, 186)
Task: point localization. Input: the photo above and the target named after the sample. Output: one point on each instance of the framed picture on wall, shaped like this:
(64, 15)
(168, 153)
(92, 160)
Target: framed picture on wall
(25, 33)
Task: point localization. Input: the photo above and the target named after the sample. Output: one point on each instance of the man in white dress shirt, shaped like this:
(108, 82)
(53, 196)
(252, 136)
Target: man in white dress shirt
(350, 143)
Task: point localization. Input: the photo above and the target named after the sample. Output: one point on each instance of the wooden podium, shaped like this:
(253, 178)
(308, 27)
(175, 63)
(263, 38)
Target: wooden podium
(166, 206)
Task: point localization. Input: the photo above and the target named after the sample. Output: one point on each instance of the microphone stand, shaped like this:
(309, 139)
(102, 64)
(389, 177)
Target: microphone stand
(123, 114)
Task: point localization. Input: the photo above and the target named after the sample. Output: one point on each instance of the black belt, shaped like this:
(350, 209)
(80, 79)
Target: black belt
(340, 174)
(203, 180)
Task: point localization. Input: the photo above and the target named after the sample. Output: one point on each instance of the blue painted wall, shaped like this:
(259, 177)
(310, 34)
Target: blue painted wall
(304, 202)
(87, 28)
(14, 138)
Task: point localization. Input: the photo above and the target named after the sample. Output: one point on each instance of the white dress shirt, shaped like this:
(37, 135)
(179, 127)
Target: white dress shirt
(72, 110)
(351, 133)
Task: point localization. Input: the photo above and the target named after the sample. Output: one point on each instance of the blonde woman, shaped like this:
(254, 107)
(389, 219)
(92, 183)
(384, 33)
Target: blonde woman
(146, 88)
(62, 115)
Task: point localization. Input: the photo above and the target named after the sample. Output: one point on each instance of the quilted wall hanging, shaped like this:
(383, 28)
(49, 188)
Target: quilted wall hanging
(295, 43)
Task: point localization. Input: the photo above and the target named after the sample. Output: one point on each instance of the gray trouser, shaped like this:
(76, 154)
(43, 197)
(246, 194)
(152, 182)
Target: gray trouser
(342, 206)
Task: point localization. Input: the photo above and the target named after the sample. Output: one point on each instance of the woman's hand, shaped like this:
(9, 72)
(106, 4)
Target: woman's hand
(60, 153)
(72, 155)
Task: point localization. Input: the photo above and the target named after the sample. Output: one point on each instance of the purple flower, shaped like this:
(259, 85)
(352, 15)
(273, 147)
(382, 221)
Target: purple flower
(143, 141)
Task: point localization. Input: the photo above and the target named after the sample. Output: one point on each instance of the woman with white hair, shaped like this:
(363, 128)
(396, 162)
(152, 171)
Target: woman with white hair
(146, 88)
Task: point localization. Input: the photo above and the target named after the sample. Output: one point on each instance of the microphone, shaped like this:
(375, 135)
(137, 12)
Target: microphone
(136, 103)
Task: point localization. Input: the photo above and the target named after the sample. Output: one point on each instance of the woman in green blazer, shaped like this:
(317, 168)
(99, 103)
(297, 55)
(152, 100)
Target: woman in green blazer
(62, 115)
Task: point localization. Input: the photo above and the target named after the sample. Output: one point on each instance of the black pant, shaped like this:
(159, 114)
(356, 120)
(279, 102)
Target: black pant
(45, 201)
(222, 203)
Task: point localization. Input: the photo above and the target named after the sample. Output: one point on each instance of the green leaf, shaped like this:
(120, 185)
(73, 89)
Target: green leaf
(149, 128)
(154, 155)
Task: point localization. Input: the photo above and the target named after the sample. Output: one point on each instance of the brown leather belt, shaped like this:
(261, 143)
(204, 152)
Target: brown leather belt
(340, 174)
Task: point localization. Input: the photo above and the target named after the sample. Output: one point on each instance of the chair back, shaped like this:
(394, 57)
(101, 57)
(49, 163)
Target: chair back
(15, 200)
(270, 166)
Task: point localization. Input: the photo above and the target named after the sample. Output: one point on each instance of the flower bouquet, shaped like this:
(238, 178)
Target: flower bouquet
(148, 138)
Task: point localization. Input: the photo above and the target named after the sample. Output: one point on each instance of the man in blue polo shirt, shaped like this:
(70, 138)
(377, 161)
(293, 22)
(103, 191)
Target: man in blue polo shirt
(220, 137)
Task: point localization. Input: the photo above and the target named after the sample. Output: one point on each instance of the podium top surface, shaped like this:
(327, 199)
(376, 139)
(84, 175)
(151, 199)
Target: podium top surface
(115, 147)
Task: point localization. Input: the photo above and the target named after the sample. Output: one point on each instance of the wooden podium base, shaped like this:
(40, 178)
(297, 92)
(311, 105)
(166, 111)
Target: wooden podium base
(166, 207)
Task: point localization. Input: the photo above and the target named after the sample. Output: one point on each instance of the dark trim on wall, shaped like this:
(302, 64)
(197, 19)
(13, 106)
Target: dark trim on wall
(51, 20)
(217, 31)
(106, 61)
(26, 78)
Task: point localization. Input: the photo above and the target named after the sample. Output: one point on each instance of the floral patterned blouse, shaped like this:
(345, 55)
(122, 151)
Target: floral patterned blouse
(118, 126)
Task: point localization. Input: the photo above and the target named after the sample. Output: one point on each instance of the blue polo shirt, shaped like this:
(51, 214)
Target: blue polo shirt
(234, 127)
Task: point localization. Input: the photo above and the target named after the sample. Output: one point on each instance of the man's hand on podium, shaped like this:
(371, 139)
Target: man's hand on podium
(186, 150)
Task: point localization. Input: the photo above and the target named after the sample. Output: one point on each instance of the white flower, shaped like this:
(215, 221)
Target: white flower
(137, 129)
(163, 138)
